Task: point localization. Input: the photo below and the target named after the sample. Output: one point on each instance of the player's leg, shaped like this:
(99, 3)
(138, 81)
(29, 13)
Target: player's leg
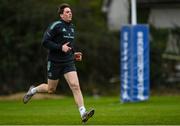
(50, 87)
(72, 79)
(42, 88)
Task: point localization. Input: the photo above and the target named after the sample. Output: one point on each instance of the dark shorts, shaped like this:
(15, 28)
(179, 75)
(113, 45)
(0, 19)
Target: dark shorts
(55, 70)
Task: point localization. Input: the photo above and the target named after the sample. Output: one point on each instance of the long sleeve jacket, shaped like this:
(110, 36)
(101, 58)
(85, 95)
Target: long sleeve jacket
(57, 34)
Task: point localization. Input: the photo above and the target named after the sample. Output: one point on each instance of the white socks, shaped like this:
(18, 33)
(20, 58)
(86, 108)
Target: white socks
(34, 90)
(82, 110)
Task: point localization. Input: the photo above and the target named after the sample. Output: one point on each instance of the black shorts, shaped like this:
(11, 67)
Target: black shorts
(55, 70)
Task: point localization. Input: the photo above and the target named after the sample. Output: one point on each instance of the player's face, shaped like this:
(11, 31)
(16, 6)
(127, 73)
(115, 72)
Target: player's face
(67, 14)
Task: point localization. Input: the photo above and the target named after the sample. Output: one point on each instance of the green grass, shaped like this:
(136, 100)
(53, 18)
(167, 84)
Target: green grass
(159, 110)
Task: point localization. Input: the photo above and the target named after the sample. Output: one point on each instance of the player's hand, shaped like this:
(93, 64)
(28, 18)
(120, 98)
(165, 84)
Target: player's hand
(78, 56)
(65, 47)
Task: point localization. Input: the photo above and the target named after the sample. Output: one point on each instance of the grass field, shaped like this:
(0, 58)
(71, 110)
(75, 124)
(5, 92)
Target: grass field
(159, 110)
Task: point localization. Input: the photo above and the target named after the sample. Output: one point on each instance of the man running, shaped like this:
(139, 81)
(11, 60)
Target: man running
(59, 40)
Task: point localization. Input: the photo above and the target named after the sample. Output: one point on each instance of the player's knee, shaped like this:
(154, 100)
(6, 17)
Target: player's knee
(51, 90)
(75, 86)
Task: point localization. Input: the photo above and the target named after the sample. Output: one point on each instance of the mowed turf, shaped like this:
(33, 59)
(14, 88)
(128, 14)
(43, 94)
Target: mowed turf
(159, 110)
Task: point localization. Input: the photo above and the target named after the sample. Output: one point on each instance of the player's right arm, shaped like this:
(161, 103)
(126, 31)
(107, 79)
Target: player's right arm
(49, 37)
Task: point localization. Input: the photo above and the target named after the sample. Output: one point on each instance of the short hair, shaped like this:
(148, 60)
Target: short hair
(61, 7)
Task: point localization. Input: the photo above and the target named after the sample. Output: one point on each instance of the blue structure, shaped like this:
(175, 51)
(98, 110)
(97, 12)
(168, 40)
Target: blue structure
(134, 63)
